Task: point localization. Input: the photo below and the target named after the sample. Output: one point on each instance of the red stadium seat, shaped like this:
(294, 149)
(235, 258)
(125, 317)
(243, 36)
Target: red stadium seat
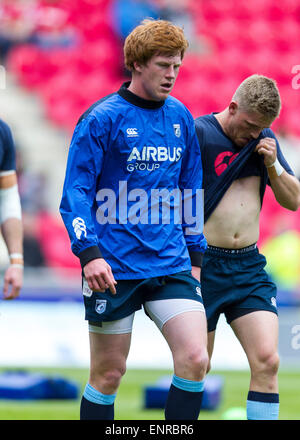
(216, 10)
(226, 32)
(278, 10)
(287, 36)
(55, 242)
(24, 62)
(250, 10)
(100, 55)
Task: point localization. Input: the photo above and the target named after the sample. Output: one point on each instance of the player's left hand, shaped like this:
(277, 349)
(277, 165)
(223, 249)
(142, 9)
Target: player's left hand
(267, 147)
(13, 281)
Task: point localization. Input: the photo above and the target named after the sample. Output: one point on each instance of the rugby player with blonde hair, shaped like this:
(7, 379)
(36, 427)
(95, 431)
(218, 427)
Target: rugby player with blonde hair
(241, 155)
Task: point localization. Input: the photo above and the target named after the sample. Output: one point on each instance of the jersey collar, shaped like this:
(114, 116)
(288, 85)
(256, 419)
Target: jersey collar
(137, 100)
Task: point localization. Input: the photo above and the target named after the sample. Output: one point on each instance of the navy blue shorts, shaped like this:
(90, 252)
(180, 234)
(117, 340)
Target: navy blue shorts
(132, 294)
(234, 282)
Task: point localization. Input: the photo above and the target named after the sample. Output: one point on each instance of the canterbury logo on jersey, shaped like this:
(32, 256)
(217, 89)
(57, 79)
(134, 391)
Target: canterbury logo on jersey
(132, 132)
(79, 227)
(156, 154)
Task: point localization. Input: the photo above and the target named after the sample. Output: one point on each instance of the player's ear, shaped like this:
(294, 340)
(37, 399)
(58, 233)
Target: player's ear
(233, 107)
(137, 66)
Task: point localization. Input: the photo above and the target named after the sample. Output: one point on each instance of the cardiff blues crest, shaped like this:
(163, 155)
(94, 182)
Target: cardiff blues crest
(100, 305)
(177, 130)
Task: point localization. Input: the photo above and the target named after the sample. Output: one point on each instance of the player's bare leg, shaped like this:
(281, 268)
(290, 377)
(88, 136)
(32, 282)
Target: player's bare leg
(108, 355)
(186, 335)
(258, 335)
(189, 352)
(210, 347)
(108, 360)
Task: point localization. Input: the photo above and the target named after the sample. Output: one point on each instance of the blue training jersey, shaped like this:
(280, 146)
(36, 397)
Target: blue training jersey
(128, 161)
(7, 148)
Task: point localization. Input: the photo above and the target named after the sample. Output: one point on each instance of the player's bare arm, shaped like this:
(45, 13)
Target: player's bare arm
(99, 276)
(286, 187)
(12, 232)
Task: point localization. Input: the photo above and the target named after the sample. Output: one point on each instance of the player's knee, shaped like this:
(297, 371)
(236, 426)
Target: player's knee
(272, 363)
(108, 379)
(195, 362)
(199, 364)
(204, 363)
(267, 364)
(113, 378)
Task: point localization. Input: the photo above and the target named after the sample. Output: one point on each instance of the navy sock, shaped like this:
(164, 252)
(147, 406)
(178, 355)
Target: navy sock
(262, 406)
(184, 399)
(95, 411)
(96, 406)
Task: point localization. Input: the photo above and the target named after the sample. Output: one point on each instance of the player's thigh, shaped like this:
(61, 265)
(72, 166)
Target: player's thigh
(181, 320)
(258, 334)
(108, 351)
(186, 332)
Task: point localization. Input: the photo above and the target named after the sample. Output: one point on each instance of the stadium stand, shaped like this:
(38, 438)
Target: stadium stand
(71, 55)
(69, 78)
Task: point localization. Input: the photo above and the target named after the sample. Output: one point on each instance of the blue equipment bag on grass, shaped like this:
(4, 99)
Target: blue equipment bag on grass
(26, 385)
(156, 395)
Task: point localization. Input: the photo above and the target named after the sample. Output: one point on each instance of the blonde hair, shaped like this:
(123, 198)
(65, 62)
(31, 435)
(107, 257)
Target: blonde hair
(259, 94)
(150, 37)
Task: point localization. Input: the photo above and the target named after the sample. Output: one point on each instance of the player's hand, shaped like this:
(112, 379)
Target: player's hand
(196, 272)
(13, 280)
(267, 147)
(99, 276)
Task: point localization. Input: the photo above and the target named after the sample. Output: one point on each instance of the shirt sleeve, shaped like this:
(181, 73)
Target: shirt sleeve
(280, 156)
(83, 169)
(7, 146)
(190, 184)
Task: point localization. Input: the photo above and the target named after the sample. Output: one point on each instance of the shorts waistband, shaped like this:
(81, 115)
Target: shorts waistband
(231, 252)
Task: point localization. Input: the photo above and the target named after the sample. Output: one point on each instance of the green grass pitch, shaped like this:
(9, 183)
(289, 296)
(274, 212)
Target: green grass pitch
(130, 400)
